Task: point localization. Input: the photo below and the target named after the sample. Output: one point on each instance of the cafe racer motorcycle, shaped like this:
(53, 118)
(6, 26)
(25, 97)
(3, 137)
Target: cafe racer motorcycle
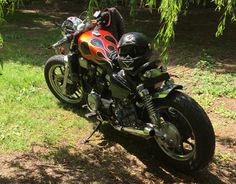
(130, 91)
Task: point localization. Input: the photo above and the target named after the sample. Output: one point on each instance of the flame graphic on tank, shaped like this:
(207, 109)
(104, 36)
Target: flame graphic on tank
(97, 48)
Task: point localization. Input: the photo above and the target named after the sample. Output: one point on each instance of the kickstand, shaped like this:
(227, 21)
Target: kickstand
(84, 141)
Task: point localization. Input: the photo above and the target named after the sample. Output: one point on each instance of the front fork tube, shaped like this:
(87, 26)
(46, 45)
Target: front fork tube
(147, 100)
(65, 80)
(71, 69)
(74, 67)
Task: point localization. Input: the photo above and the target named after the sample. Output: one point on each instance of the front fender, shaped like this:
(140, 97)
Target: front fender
(65, 58)
(166, 90)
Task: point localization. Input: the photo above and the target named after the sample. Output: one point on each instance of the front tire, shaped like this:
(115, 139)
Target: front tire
(188, 120)
(54, 72)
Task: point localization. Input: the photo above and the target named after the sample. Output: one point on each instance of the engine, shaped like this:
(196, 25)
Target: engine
(109, 97)
(99, 96)
(126, 115)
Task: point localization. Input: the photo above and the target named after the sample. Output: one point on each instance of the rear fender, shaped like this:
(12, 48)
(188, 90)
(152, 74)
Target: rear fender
(166, 90)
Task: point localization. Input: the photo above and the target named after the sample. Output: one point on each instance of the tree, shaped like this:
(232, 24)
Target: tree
(169, 11)
(7, 6)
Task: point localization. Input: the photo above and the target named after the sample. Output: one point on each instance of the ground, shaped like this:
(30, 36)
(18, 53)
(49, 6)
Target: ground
(204, 65)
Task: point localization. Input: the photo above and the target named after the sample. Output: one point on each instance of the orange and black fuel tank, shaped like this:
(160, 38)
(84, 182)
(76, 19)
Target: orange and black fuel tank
(96, 45)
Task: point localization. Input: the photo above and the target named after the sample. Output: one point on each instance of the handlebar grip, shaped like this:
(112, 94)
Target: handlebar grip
(60, 42)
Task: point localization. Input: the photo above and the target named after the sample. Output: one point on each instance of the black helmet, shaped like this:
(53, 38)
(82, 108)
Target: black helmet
(134, 50)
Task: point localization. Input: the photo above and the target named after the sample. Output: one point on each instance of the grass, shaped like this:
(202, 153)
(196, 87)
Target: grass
(218, 85)
(224, 158)
(226, 112)
(207, 85)
(29, 112)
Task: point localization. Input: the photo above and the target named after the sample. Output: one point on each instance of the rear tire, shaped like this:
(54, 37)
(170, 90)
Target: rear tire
(54, 76)
(191, 121)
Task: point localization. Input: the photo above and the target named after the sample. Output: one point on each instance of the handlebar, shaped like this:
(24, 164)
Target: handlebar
(68, 37)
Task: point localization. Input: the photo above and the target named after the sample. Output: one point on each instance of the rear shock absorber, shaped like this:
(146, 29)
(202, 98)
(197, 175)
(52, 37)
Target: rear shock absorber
(148, 103)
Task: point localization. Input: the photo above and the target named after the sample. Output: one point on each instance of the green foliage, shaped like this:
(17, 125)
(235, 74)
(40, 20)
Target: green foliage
(92, 4)
(9, 7)
(133, 5)
(1, 41)
(228, 8)
(206, 62)
(152, 4)
(226, 112)
(220, 158)
(1, 45)
(218, 85)
(169, 11)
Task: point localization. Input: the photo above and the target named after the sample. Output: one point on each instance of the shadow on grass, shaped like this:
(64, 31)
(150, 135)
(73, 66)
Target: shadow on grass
(27, 34)
(85, 166)
(119, 158)
(226, 141)
(144, 150)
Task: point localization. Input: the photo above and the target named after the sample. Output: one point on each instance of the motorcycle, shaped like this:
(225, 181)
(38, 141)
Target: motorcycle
(131, 93)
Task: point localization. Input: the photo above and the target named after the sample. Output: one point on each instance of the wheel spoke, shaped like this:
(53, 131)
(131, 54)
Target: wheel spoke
(182, 148)
(56, 77)
(62, 71)
(177, 120)
(77, 95)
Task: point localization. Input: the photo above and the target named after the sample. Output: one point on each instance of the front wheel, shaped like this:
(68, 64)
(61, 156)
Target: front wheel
(54, 73)
(190, 135)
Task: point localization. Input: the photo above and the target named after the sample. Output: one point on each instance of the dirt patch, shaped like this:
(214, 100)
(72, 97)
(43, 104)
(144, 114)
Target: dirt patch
(102, 161)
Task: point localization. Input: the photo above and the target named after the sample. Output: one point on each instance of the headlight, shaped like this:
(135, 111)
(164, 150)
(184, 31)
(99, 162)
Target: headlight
(70, 25)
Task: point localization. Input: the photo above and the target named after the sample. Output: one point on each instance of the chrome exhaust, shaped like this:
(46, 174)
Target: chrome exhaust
(147, 132)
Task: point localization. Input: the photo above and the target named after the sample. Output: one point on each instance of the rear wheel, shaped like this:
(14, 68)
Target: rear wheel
(54, 72)
(190, 135)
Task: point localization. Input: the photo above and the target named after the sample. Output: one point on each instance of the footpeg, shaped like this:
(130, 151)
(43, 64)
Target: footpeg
(84, 106)
(91, 114)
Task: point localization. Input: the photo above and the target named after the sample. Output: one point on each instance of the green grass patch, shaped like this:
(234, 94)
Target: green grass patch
(224, 158)
(206, 86)
(24, 17)
(226, 112)
(211, 83)
(29, 113)
(28, 49)
(206, 100)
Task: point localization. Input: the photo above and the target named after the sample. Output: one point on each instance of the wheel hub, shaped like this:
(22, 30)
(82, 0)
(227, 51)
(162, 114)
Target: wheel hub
(171, 136)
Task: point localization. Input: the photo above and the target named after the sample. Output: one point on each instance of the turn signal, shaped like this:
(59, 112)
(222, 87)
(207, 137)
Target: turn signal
(62, 50)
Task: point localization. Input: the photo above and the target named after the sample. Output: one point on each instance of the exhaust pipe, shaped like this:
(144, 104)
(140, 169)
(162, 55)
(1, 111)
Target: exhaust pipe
(146, 132)
(149, 131)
